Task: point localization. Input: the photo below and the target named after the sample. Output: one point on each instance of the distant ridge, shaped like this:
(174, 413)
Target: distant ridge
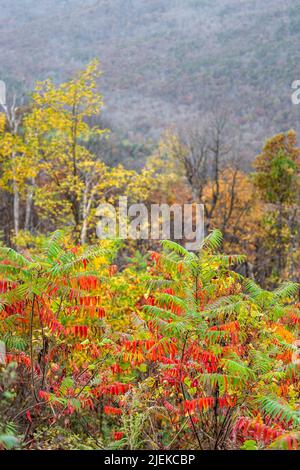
(164, 60)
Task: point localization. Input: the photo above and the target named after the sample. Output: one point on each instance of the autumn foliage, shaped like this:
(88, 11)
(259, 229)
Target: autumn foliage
(182, 354)
(144, 345)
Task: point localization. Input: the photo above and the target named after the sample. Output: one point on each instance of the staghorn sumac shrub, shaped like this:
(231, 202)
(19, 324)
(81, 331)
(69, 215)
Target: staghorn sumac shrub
(183, 354)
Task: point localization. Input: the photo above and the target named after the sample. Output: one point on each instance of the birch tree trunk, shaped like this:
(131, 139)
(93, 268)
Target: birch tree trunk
(28, 208)
(14, 121)
(16, 208)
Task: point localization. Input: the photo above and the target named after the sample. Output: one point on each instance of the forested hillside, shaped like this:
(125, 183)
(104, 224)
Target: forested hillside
(164, 60)
(117, 331)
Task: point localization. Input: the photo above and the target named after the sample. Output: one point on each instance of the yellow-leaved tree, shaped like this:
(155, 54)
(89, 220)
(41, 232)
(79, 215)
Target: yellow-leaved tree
(57, 131)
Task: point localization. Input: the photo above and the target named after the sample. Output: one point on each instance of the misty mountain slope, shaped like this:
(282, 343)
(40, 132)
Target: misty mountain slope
(164, 60)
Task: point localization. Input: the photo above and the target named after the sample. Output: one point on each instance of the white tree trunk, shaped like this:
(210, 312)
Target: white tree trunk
(28, 209)
(16, 208)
